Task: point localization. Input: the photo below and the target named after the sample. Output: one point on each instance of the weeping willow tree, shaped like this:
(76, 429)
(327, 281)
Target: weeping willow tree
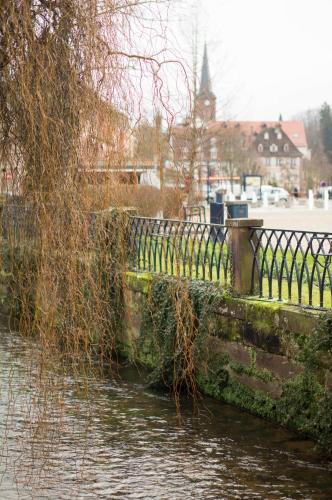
(62, 74)
(64, 81)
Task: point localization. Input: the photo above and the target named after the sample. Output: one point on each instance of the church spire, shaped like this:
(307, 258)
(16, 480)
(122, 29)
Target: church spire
(205, 100)
(205, 85)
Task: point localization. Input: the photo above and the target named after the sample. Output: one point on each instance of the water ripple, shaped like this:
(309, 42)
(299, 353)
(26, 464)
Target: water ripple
(126, 442)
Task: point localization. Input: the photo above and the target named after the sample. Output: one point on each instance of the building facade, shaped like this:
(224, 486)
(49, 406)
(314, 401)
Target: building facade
(203, 147)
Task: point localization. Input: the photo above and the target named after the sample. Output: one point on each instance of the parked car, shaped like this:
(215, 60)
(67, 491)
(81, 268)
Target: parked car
(275, 194)
(320, 192)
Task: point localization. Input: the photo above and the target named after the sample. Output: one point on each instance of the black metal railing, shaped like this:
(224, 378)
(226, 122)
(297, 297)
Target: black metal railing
(292, 265)
(194, 213)
(18, 223)
(180, 248)
(287, 265)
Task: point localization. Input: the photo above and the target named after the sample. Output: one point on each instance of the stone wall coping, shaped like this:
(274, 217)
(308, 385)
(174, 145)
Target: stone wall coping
(135, 277)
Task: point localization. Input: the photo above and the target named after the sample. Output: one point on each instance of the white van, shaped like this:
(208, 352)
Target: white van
(275, 194)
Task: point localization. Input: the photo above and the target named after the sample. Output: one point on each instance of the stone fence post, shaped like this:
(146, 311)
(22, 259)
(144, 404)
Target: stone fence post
(241, 253)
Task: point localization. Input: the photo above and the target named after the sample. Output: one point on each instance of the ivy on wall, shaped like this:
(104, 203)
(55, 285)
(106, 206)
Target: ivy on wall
(174, 326)
(177, 320)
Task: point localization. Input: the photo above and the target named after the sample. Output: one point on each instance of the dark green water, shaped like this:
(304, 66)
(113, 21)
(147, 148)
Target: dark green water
(127, 443)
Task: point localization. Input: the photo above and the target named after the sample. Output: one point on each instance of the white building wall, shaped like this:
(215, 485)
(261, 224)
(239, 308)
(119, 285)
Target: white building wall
(286, 174)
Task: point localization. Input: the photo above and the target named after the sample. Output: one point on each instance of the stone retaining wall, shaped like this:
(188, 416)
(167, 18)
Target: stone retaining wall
(254, 355)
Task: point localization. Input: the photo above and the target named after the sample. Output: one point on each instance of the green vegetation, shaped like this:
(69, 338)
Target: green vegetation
(184, 256)
(326, 130)
(175, 324)
(176, 342)
(195, 258)
(252, 371)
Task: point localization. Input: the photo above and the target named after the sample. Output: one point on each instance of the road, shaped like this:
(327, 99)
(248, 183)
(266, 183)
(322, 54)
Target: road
(294, 217)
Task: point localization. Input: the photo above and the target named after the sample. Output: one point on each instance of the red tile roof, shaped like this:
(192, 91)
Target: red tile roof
(294, 129)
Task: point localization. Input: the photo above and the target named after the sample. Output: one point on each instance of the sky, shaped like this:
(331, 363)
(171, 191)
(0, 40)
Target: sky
(266, 56)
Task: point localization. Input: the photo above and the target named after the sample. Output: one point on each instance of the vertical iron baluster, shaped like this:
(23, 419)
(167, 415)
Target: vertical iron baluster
(187, 239)
(294, 265)
(284, 265)
(305, 267)
(141, 245)
(199, 260)
(255, 239)
(315, 268)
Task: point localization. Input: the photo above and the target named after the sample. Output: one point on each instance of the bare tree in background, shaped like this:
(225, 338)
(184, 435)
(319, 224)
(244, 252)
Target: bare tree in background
(234, 155)
(317, 168)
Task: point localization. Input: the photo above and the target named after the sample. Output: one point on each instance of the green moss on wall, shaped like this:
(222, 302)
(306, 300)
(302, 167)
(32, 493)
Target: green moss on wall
(139, 282)
(254, 401)
(167, 304)
(305, 404)
(125, 351)
(252, 371)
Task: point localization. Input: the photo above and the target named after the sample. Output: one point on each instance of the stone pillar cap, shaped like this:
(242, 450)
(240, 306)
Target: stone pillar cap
(237, 202)
(244, 222)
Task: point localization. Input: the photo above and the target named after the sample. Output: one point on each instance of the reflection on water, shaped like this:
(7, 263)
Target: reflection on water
(126, 443)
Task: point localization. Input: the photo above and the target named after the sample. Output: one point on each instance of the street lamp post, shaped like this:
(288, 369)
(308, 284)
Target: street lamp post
(208, 181)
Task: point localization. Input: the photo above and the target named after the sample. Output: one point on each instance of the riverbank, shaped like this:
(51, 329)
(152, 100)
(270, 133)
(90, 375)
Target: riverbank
(268, 358)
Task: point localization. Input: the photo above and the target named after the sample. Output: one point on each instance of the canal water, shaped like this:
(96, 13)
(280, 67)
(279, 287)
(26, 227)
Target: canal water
(125, 442)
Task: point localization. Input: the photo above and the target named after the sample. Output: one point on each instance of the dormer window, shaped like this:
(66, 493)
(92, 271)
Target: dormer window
(286, 148)
(266, 136)
(274, 148)
(260, 148)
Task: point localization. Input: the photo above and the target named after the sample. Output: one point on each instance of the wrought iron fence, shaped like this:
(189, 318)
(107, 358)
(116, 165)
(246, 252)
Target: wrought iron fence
(194, 213)
(180, 248)
(18, 223)
(292, 265)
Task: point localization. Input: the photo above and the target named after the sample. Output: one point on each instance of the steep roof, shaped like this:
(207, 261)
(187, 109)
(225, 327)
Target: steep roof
(279, 138)
(293, 129)
(205, 85)
(296, 133)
